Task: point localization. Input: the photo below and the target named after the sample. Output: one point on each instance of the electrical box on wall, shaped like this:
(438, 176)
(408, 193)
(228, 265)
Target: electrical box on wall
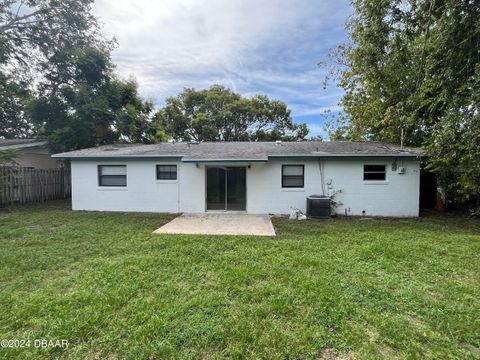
(401, 170)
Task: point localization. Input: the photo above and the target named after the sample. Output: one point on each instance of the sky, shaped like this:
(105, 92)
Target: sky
(269, 47)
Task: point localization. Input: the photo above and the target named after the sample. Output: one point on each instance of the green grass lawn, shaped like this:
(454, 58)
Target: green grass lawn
(345, 288)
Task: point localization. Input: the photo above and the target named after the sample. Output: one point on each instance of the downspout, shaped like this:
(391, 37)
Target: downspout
(179, 178)
(321, 167)
(401, 139)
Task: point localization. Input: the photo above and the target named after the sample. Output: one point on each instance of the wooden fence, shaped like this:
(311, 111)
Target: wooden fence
(25, 185)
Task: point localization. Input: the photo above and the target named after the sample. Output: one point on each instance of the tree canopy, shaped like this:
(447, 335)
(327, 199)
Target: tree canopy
(13, 94)
(219, 114)
(57, 80)
(37, 42)
(95, 108)
(415, 65)
(34, 31)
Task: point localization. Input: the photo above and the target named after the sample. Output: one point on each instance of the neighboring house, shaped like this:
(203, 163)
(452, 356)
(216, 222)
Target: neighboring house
(31, 153)
(365, 178)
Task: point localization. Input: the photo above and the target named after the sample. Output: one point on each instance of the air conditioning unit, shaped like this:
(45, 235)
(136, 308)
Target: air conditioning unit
(318, 206)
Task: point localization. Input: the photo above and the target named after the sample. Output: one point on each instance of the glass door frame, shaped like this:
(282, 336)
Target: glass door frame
(225, 167)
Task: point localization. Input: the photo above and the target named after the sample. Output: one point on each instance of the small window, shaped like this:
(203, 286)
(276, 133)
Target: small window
(166, 172)
(374, 172)
(292, 176)
(112, 175)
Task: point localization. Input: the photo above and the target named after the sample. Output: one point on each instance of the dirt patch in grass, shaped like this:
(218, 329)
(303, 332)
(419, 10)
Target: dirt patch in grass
(331, 354)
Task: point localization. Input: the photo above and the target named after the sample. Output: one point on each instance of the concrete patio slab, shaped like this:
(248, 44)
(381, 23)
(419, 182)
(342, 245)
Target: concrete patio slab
(219, 224)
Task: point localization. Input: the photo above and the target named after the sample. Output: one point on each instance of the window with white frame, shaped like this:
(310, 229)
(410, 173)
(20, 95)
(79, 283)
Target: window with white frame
(112, 175)
(374, 172)
(166, 172)
(293, 176)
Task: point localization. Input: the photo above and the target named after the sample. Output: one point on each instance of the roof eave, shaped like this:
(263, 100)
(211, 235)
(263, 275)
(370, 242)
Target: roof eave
(344, 155)
(23, 146)
(115, 157)
(204, 160)
(224, 160)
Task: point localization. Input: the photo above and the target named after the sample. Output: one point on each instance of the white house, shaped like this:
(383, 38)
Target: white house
(364, 178)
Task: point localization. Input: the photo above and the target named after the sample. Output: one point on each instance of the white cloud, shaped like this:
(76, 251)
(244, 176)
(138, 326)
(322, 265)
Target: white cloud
(252, 46)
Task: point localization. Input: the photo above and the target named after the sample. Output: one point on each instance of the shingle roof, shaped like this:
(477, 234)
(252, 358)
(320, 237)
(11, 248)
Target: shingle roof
(237, 151)
(20, 143)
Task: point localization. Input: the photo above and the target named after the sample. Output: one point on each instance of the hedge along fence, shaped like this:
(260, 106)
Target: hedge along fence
(25, 185)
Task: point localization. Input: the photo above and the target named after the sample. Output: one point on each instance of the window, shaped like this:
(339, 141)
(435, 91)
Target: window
(374, 172)
(292, 176)
(166, 172)
(112, 175)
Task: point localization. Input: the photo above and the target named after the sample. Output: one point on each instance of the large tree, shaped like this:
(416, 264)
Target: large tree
(219, 114)
(37, 42)
(13, 123)
(94, 108)
(58, 82)
(415, 65)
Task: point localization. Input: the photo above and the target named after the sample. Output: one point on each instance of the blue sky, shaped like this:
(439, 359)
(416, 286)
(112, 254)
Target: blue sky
(270, 47)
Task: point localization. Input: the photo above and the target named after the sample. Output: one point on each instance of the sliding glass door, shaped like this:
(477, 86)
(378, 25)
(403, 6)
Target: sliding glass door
(236, 189)
(226, 188)
(216, 188)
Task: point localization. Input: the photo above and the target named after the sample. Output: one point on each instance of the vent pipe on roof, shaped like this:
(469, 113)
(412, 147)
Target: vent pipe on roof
(193, 142)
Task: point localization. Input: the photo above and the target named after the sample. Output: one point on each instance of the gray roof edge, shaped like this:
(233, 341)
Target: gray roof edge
(346, 155)
(223, 160)
(190, 160)
(111, 156)
(22, 146)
